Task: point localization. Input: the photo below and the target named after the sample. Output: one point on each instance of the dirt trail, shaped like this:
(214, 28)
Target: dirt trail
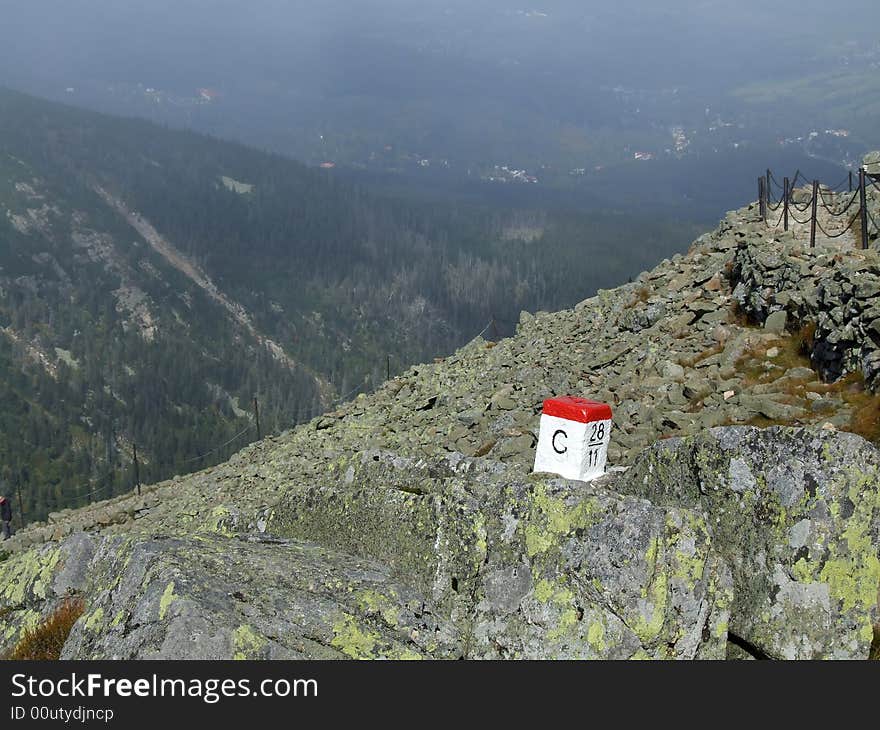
(829, 214)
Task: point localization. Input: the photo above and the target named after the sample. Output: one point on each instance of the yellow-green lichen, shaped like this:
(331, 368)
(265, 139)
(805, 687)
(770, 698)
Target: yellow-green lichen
(372, 601)
(217, 521)
(552, 519)
(352, 640)
(649, 629)
(405, 655)
(853, 577)
(543, 591)
(563, 602)
(802, 571)
(567, 619)
(28, 573)
(27, 619)
(651, 558)
(247, 643)
(47, 571)
(168, 596)
(596, 636)
(93, 622)
(480, 532)
(688, 565)
(655, 595)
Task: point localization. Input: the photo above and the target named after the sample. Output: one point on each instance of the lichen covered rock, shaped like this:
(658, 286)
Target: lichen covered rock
(525, 566)
(453, 558)
(796, 515)
(34, 583)
(221, 598)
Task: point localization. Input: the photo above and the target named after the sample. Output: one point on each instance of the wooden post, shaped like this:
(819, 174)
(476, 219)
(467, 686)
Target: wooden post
(863, 208)
(813, 219)
(850, 180)
(762, 210)
(257, 419)
(387, 367)
(785, 193)
(20, 505)
(137, 469)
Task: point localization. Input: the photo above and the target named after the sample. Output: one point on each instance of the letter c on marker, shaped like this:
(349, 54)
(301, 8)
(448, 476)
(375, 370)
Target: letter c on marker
(555, 448)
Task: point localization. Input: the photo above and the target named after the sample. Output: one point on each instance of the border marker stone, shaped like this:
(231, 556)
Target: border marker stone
(574, 438)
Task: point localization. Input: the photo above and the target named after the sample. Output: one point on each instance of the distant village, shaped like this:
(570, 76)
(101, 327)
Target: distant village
(712, 135)
(159, 96)
(505, 174)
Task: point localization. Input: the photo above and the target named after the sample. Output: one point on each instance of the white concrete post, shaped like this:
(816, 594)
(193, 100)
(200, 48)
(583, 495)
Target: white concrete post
(574, 438)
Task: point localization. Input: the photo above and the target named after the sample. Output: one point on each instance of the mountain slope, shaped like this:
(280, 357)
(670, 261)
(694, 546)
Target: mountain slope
(726, 536)
(154, 282)
(106, 344)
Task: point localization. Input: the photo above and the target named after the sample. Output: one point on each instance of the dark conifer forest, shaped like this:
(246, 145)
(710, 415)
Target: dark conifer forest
(316, 286)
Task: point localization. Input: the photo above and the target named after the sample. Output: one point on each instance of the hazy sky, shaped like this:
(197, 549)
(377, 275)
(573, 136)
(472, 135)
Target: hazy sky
(445, 77)
(671, 40)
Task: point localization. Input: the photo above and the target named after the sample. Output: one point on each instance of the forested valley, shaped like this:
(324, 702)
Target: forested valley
(153, 283)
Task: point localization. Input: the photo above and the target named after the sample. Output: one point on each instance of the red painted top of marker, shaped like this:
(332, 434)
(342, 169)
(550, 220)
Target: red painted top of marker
(577, 409)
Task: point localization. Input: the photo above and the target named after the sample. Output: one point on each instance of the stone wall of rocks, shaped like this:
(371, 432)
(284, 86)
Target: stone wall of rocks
(836, 291)
(832, 287)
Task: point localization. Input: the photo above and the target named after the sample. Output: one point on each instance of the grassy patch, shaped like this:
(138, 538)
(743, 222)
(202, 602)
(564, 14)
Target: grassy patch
(740, 317)
(704, 355)
(45, 641)
(875, 645)
(793, 353)
(865, 419)
(752, 364)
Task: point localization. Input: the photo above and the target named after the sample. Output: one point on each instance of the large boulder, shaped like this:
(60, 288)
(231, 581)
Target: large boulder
(33, 584)
(768, 538)
(447, 559)
(221, 598)
(796, 514)
(525, 566)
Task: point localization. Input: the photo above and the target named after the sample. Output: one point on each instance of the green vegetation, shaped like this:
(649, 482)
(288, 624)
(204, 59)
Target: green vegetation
(845, 97)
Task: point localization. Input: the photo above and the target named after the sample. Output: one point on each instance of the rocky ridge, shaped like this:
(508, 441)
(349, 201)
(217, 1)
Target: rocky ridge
(407, 523)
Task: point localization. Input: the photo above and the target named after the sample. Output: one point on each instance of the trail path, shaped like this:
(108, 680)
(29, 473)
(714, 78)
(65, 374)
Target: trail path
(834, 213)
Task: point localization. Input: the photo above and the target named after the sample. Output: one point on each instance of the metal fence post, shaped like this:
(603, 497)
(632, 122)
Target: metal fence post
(257, 419)
(20, 504)
(137, 469)
(813, 218)
(863, 201)
(761, 201)
(785, 195)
